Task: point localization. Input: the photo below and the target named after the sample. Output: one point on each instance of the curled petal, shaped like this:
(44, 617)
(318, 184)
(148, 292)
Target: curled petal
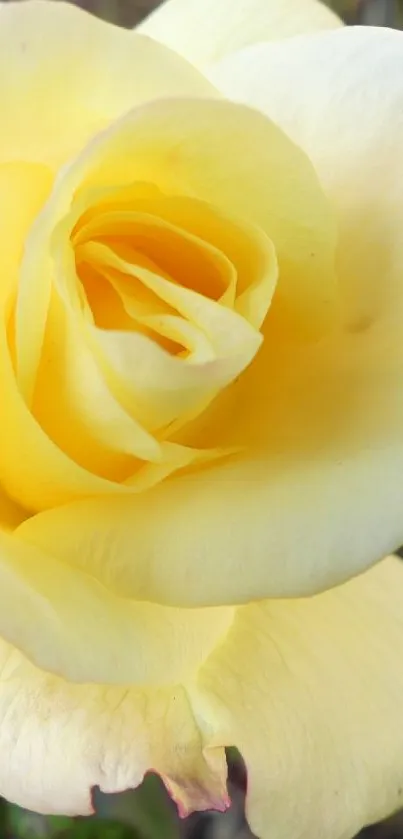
(178, 146)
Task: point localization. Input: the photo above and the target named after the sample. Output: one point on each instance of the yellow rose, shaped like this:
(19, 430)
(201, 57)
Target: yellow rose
(202, 410)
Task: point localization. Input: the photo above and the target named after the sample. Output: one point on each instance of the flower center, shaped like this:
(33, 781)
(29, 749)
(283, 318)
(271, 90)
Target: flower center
(143, 259)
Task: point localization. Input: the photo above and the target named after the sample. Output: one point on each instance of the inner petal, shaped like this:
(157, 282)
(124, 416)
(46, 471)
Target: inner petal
(246, 247)
(178, 145)
(109, 301)
(171, 286)
(185, 258)
(153, 386)
(195, 310)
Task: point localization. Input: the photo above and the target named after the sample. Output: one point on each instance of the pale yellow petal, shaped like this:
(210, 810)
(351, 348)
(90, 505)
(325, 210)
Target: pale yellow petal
(224, 238)
(58, 740)
(24, 188)
(320, 464)
(205, 30)
(99, 434)
(339, 95)
(68, 623)
(310, 691)
(67, 75)
(178, 145)
(163, 388)
(30, 459)
(35, 471)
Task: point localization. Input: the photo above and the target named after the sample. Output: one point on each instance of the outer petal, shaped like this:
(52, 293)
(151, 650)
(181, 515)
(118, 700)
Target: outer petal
(57, 740)
(66, 75)
(66, 622)
(340, 96)
(311, 692)
(205, 30)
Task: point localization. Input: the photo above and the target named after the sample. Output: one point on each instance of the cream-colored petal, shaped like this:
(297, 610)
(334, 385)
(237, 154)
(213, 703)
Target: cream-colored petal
(58, 740)
(70, 624)
(66, 75)
(310, 691)
(339, 95)
(205, 30)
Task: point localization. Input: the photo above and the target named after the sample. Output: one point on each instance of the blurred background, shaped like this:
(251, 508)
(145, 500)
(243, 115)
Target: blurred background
(371, 12)
(148, 813)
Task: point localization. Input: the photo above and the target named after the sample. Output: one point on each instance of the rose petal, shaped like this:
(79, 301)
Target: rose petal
(34, 470)
(24, 188)
(67, 623)
(205, 30)
(339, 95)
(67, 75)
(319, 434)
(11, 514)
(58, 740)
(310, 691)
(178, 145)
(163, 387)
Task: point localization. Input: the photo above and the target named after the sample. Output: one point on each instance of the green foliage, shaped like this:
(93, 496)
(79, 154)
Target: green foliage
(23, 825)
(145, 813)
